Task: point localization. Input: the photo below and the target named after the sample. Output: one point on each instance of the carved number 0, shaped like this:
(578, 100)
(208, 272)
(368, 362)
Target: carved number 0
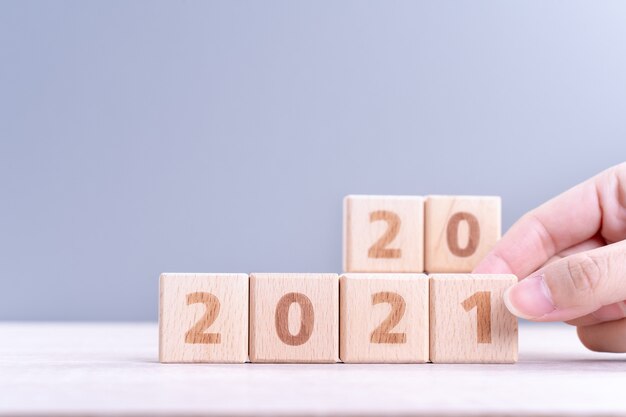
(382, 334)
(307, 319)
(482, 301)
(452, 234)
(379, 249)
(196, 334)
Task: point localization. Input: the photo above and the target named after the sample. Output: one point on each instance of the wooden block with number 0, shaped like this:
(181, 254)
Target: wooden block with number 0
(383, 318)
(203, 318)
(383, 234)
(469, 322)
(459, 231)
(294, 318)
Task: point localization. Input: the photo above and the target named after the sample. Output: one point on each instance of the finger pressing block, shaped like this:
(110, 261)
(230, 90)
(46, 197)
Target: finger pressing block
(383, 318)
(469, 322)
(203, 318)
(294, 318)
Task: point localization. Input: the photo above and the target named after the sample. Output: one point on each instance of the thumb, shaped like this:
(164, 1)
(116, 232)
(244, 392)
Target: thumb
(571, 287)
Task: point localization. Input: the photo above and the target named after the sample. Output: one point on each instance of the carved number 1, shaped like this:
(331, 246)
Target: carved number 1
(482, 301)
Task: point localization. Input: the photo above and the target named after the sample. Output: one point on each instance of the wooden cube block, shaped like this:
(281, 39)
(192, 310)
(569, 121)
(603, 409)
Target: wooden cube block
(203, 318)
(383, 234)
(460, 231)
(468, 320)
(294, 318)
(383, 318)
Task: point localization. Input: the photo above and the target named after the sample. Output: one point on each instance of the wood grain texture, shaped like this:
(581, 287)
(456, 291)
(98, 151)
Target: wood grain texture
(203, 318)
(459, 231)
(384, 318)
(469, 322)
(294, 318)
(383, 233)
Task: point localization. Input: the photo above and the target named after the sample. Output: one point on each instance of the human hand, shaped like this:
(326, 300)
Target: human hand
(571, 255)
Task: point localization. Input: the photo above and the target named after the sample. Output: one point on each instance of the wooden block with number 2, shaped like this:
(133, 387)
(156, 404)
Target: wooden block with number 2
(383, 234)
(469, 322)
(383, 318)
(203, 318)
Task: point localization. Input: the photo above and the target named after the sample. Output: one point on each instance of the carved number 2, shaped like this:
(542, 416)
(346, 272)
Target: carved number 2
(383, 334)
(482, 301)
(379, 249)
(196, 334)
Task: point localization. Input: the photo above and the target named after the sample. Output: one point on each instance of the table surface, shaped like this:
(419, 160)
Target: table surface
(112, 369)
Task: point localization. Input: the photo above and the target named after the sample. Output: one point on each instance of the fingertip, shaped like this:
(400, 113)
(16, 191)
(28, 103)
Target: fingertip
(529, 299)
(587, 339)
(604, 337)
(509, 305)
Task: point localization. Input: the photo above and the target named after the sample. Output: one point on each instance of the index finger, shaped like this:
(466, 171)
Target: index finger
(597, 205)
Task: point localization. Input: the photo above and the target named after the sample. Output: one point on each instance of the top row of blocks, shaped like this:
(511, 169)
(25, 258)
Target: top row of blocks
(436, 234)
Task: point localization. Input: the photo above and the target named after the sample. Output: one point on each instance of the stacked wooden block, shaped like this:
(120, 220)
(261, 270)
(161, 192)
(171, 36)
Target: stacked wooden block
(383, 309)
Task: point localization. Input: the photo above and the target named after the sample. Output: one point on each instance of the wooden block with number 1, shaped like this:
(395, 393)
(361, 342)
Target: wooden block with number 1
(383, 234)
(469, 322)
(459, 231)
(383, 318)
(203, 318)
(294, 318)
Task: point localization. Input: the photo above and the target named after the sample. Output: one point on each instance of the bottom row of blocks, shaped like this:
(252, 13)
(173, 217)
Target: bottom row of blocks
(324, 318)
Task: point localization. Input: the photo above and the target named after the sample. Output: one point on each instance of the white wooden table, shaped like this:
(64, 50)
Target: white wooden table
(112, 369)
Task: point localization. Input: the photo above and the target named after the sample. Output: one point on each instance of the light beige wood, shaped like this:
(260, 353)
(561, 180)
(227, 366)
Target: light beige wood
(383, 233)
(203, 318)
(459, 231)
(469, 322)
(109, 370)
(294, 318)
(383, 318)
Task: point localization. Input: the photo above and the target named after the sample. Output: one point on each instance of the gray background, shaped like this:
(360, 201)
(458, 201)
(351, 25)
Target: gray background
(141, 137)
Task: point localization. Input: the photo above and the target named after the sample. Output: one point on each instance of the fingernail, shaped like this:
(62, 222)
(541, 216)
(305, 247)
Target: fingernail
(529, 299)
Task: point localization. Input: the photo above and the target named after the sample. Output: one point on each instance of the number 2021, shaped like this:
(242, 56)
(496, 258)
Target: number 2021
(382, 334)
